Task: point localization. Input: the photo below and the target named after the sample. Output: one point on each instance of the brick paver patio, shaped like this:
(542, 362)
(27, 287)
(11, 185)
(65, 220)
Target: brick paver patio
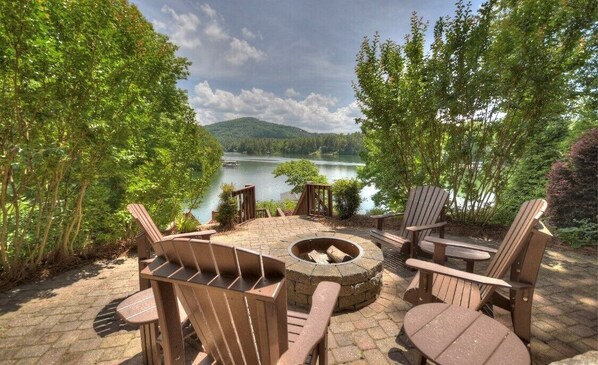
(70, 319)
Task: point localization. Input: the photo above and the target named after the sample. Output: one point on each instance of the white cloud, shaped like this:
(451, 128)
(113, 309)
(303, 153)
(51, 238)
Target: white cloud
(183, 31)
(158, 25)
(315, 113)
(208, 11)
(247, 34)
(291, 93)
(215, 31)
(240, 52)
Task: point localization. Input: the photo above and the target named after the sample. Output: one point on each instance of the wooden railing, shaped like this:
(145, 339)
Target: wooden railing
(316, 199)
(246, 209)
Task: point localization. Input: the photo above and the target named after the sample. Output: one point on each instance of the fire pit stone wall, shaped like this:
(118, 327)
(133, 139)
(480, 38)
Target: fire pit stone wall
(360, 279)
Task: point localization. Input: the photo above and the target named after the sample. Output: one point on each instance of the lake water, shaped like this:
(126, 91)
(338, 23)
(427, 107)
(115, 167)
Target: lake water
(257, 170)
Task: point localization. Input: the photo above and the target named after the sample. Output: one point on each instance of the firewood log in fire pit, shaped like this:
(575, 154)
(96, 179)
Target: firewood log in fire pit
(337, 255)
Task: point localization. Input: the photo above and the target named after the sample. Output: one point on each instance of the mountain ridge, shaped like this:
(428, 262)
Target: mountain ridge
(249, 128)
(254, 136)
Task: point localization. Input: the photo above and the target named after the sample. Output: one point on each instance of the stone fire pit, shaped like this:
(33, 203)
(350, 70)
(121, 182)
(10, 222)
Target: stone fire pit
(360, 277)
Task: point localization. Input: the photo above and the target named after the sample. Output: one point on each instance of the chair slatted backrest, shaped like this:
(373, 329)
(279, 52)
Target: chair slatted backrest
(518, 235)
(235, 298)
(423, 207)
(145, 222)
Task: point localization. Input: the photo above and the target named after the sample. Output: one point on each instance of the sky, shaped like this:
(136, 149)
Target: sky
(281, 61)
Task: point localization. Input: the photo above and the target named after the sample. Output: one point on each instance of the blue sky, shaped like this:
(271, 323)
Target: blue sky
(286, 62)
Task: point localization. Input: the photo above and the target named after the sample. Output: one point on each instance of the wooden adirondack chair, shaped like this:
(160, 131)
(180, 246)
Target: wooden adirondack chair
(134, 310)
(424, 206)
(520, 252)
(150, 234)
(236, 301)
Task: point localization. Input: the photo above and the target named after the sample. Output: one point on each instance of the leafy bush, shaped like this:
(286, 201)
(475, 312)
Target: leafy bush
(271, 205)
(299, 172)
(345, 193)
(376, 211)
(288, 205)
(227, 207)
(186, 222)
(573, 184)
(585, 233)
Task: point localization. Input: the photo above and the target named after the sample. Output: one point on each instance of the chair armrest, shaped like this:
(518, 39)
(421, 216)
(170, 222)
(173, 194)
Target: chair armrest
(380, 219)
(443, 270)
(201, 234)
(445, 242)
(387, 215)
(316, 326)
(427, 226)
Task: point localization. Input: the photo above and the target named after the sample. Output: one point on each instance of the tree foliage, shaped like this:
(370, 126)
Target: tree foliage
(327, 144)
(91, 119)
(464, 114)
(299, 172)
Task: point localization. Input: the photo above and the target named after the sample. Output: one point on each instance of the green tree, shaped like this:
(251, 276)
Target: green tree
(464, 114)
(91, 119)
(298, 173)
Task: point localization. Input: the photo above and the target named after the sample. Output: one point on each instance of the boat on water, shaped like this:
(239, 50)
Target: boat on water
(230, 163)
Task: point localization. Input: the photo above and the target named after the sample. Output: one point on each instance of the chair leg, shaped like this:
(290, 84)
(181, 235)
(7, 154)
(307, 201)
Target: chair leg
(150, 349)
(323, 350)
(422, 359)
(469, 265)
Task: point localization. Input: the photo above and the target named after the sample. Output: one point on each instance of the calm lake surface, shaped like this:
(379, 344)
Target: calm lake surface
(257, 170)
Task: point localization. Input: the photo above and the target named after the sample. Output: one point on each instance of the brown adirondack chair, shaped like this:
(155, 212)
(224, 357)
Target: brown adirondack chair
(520, 252)
(236, 301)
(140, 308)
(151, 232)
(424, 206)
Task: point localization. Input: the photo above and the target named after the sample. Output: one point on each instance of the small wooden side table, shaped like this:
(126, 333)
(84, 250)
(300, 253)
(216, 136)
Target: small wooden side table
(140, 309)
(466, 254)
(448, 334)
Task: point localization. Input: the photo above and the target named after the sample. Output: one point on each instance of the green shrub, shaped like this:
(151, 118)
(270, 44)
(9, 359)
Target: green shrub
(572, 191)
(271, 205)
(186, 222)
(227, 206)
(585, 233)
(345, 193)
(288, 205)
(376, 211)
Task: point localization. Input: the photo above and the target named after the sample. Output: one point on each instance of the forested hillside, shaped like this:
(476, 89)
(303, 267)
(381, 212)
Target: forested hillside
(254, 136)
(245, 128)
